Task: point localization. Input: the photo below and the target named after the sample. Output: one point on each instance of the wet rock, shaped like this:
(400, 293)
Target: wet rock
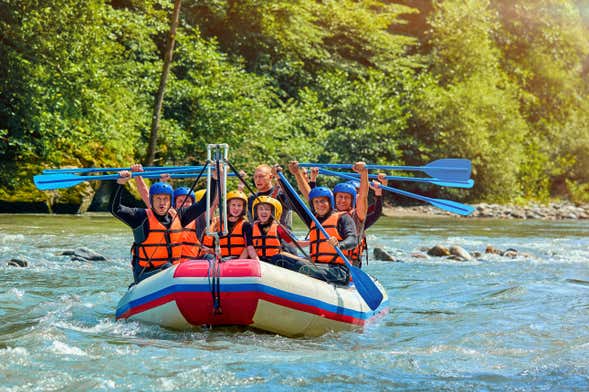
(510, 253)
(18, 263)
(458, 251)
(456, 258)
(490, 249)
(438, 251)
(419, 255)
(381, 254)
(83, 254)
(476, 254)
(518, 214)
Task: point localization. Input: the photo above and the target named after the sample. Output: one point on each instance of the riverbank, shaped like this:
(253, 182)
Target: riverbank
(552, 211)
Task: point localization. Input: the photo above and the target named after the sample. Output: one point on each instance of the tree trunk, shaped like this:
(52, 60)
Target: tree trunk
(159, 100)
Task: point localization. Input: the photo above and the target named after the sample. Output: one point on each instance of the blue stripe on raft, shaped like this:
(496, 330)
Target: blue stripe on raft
(234, 288)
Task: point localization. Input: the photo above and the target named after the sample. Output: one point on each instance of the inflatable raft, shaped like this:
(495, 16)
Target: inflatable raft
(246, 293)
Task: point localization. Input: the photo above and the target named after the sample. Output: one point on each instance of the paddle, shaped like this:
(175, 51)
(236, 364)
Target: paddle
(108, 169)
(46, 182)
(435, 181)
(449, 169)
(447, 205)
(364, 284)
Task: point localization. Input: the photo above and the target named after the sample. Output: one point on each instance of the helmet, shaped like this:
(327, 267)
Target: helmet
(321, 191)
(161, 188)
(344, 187)
(184, 191)
(269, 200)
(237, 195)
(200, 194)
(354, 183)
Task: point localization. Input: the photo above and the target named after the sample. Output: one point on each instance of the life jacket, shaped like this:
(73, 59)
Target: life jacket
(267, 245)
(355, 254)
(320, 250)
(162, 245)
(190, 243)
(232, 244)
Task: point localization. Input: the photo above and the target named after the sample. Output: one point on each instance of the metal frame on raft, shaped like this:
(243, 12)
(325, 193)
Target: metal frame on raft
(217, 154)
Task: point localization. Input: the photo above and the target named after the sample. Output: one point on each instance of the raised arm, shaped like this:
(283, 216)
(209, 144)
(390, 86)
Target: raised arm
(362, 200)
(141, 185)
(302, 184)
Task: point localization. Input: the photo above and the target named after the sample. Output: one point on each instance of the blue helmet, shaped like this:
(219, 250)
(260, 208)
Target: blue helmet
(322, 191)
(161, 188)
(184, 191)
(354, 183)
(344, 187)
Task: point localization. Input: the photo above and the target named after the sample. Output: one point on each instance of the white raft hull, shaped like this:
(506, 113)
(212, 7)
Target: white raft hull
(247, 293)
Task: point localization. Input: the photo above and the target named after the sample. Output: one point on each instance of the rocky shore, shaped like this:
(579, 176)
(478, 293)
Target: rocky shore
(552, 211)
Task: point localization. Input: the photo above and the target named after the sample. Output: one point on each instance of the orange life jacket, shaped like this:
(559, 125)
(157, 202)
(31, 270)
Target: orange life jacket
(267, 245)
(355, 253)
(190, 243)
(320, 250)
(161, 245)
(232, 244)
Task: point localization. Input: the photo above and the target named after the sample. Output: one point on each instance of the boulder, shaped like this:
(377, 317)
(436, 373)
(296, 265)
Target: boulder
(18, 263)
(438, 251)
(381, 254)
(493, 250)
(83, 254)
(419, 255)
(456, 250)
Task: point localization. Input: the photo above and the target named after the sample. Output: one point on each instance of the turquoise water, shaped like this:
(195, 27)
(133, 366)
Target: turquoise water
(495, 324)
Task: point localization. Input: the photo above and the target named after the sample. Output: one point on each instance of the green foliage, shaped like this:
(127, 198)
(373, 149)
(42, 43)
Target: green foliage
(71, 93)
(502, 83)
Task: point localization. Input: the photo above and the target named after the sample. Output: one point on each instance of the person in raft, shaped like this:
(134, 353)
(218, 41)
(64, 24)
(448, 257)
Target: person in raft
(325, 262)
(183, 197)
(269, 236)
(157, 230)
(238, 242)
(263, 177)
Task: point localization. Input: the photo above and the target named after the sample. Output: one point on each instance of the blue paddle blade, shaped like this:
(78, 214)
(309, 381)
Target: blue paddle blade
(46, 182)
(366, 287)
(451, 169)
(452, 206)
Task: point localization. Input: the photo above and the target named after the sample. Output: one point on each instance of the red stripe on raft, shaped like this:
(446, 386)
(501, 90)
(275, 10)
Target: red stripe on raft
(229, 268)
(238, 308)
(147, 306)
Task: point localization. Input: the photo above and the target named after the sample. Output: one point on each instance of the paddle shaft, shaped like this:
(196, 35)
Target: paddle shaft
(107, 169)
(435, 181)
(447, 205)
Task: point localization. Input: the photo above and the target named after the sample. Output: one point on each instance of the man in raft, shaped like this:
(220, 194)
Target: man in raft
(158, 230)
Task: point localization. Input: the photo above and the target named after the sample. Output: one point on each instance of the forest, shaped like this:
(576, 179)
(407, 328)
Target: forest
(503, 83)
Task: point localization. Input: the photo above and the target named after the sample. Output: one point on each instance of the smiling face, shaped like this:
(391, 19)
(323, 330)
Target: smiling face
(160, 204)
(321, 205)
(236, 207)
(263, 178)
(343, 201)
(181, 202)
(264, 212)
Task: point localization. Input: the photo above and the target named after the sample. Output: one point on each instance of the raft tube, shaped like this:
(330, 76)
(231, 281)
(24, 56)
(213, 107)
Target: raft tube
(246, 293)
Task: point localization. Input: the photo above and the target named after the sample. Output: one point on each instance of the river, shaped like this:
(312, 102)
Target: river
(494, 324)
